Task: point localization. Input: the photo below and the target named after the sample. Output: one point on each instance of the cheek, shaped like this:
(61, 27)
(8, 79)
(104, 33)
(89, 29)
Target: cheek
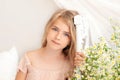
(50, 34)
(66, 42)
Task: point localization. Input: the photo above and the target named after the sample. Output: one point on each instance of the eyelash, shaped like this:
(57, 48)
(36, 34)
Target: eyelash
(55, 29)
(65, 34)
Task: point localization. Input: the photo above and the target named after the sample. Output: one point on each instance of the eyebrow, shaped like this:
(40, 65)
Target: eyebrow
(63, 31)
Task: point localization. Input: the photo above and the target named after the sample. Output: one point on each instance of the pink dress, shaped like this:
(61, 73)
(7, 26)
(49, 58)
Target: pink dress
(41, 74)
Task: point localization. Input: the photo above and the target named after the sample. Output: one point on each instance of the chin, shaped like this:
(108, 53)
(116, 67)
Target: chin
(55, 46)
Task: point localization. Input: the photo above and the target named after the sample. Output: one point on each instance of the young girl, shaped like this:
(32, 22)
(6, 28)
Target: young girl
(57, 56)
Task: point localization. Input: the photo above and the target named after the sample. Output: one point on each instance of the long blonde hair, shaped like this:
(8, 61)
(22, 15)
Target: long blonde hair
(67, 16)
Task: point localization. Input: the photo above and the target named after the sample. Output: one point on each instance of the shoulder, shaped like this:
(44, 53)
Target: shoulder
(32, 55)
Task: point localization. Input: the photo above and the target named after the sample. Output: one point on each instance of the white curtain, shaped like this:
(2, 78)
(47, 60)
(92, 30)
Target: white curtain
(98, 14)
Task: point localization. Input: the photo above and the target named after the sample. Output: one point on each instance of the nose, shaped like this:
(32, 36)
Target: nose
(58, 36)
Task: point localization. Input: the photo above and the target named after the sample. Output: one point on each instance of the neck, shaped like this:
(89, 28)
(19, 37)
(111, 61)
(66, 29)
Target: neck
(48, 52)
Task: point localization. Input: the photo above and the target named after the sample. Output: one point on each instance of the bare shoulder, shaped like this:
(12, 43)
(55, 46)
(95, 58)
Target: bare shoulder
(32, 55)
(33, 52)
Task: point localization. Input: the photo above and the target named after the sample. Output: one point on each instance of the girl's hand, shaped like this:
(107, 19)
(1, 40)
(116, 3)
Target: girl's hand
(79, 59)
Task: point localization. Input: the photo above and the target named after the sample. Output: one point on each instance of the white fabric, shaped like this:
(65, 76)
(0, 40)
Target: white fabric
(8, 64)
(97, 15)
(80, 31)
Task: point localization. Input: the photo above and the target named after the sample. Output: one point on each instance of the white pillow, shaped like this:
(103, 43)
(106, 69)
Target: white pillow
(8, 64)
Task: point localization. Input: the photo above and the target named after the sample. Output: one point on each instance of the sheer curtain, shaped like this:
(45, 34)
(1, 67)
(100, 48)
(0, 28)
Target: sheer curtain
(97, 15)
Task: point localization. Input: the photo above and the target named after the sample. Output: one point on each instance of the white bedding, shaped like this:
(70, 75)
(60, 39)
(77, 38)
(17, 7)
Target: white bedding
(8, 64)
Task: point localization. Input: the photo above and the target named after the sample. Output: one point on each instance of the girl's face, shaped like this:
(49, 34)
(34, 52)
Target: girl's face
(58, 35)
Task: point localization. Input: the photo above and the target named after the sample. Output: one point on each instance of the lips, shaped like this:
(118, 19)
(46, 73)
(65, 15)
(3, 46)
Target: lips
(55, 42)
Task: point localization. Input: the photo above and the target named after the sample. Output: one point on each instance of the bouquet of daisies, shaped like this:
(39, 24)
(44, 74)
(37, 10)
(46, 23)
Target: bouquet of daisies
(102, 60)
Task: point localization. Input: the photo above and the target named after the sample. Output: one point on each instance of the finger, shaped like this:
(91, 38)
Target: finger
(81, 54)
(79, 60)
(79, 57)
(79, 63)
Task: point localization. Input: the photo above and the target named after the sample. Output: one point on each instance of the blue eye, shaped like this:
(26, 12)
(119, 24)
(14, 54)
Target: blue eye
(66, 34)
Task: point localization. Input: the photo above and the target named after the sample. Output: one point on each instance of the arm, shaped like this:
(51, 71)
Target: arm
(20, 75)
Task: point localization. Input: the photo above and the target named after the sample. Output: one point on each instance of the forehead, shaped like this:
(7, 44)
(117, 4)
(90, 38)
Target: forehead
(61, 24)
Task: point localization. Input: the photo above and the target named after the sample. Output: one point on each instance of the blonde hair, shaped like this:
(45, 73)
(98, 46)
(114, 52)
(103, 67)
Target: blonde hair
(67, 16)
